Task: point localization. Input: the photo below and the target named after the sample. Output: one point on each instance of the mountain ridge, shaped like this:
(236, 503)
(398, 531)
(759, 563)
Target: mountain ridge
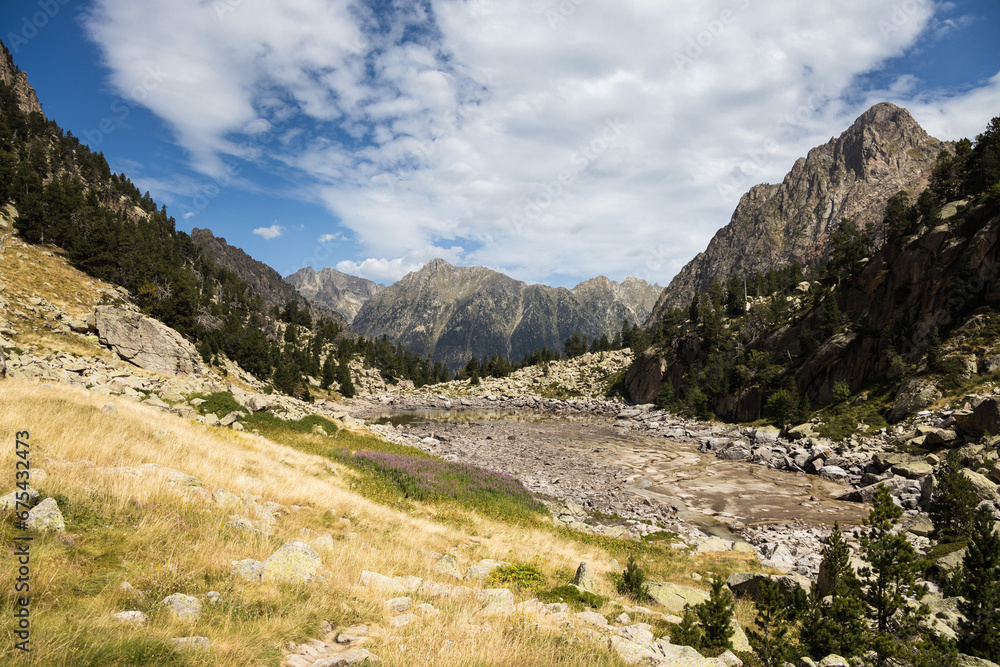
(455, 313)
(851, 176)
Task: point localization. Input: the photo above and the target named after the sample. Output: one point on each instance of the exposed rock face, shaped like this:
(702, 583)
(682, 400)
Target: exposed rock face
(3, 365)
(455, 313)
(146, 342)
(334, 290)
(264, 280)
(18, 80)
(850, 176)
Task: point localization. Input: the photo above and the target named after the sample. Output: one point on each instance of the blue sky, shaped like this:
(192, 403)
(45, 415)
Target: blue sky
(554, 141)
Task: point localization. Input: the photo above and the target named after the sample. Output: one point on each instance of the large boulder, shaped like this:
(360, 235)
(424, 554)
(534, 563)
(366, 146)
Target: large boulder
(145, 342)
(747, 584)
(293, 562)
(914, 395)
(45, 517)
(674, 596)
(985, 417)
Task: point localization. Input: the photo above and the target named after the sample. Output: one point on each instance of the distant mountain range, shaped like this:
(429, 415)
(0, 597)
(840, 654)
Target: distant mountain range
(851, 176)
(334, 290)
(455, 313)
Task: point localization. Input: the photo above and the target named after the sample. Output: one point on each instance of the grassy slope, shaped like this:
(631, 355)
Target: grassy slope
(165, 539)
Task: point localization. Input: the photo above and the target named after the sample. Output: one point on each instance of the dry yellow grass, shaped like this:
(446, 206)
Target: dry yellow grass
(164, 539)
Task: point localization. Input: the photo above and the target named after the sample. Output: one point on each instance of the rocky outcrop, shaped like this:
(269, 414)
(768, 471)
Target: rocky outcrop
(264, 280)
(455, 313)
(18, 80)
(851, 176)
(334, 290)
(146, 342)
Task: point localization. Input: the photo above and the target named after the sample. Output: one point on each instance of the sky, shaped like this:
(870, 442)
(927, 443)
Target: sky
(552, 140)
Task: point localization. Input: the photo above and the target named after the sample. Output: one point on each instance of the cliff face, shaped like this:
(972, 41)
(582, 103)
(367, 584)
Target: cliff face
(18, 80)
(334, 290)
(851, 176)
(264, 280)
(455, 313)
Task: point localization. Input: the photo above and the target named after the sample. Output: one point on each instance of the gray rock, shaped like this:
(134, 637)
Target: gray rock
(482, 569)
(183, 607)
(346, 658)
(448, 566)
(498, 601)
(293, 562)
(674, 596)
(109, 408)
(984, 487)
(915, 394)
(248, 569)
(583, 578)
(146, 342)
(833, 660)
(8, 503)
(969, 661)
(985, 417)
(833, 473)
(913, 470)
(191, 643)
(747, 584)
(3, 365)
(399, 605)
(45, 517)
(133, 617)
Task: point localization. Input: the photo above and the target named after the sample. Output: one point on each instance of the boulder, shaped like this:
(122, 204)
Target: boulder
(131, 617)
(482, 569)
(913, 470)
(915, 394)
(293, 562)
(45, 517)
(498, 601)
(963, 660)
(984, 487)
(985, 417)
(713, 544)
(583, 579)
(29, 497)
(145, 342)
(674, 596)
(448, 566)
(183, 607)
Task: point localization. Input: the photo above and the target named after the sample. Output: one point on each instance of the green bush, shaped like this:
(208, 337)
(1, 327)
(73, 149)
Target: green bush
(633, 581)
(780, 406)
(841, 391)
(523, 576)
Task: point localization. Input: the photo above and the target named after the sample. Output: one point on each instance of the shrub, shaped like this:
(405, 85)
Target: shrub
(524, 576)
(633, 581)
(841, 391)
(779, 406)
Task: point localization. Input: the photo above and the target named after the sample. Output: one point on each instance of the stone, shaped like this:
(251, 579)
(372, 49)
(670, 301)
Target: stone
(323, 542)
(591, 618)
(482, 569)
(110, 408)
(915, 394)
(183, 607)
(913, 469)
(985, 417)
(498, 601)
(3, 365)
(346, 658)
(623, 619)
(801, 431)
(45, 517)
(293, 562)
(188, 643)
(448, 566)
(28, 497)
(145, 342)
(730, 659)
(583, 578)
(632, 653)
(984, 487)
(833, 660)
(132, 617)
(833, 473)
(713, 544)
(399, 605)
(674, 596)
(963, 660)
(402, 620)
(229, 419)
(685, 656)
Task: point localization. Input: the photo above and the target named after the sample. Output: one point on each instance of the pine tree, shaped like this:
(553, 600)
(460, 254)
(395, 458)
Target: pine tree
(687, 633)
(980, 587)
(715, 615)
(344, 378)
(835, 626)
(772, 642)
(953, 503)
(887, 581)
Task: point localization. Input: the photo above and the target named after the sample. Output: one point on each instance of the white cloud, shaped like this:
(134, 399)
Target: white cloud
(268, 233)
(390, 270)
(189, 215)
(490, 132)
(327, 238)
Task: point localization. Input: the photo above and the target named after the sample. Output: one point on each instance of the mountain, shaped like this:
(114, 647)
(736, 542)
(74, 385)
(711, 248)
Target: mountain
(261, 278)
(455, 313)
(851, 176)
(334, 290)
(18, 82)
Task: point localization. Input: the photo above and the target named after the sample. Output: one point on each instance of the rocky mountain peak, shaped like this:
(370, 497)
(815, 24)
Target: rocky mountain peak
(18, 80)
(850, 177)
(336, 291)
